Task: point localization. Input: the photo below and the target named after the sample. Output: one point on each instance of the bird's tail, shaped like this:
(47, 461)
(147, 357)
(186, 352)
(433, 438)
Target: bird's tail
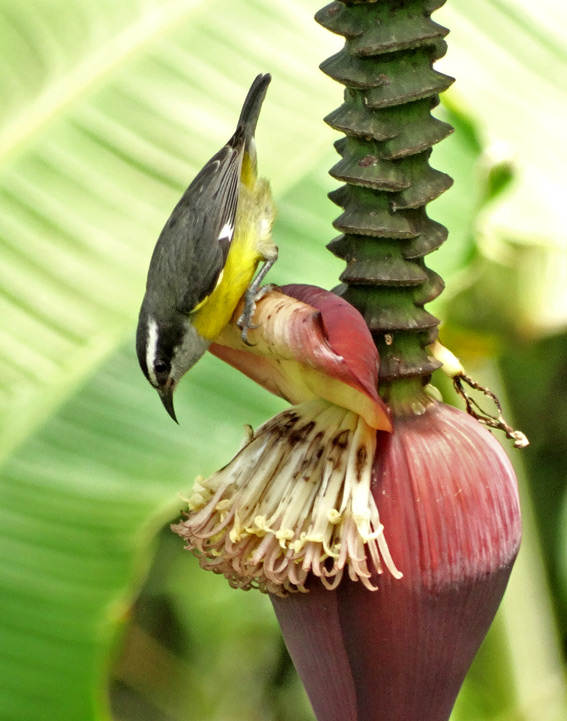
(244, 135)
(252, 105)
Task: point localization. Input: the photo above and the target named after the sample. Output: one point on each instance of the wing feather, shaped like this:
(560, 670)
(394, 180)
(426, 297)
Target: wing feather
(192, 248)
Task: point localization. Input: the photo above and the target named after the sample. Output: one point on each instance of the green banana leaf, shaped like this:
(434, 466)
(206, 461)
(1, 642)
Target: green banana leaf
(108, 110)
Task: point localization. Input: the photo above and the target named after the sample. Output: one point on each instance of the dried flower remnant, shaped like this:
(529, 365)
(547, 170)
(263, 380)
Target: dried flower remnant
(452, 367)
(296, 500)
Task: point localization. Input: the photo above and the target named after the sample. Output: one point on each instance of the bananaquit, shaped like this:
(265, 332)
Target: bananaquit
(206, 257)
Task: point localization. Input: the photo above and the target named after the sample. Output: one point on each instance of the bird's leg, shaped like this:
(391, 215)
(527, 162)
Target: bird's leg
(253, 294)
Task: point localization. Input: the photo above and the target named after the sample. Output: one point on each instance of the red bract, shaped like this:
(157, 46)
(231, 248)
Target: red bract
(309, 344)
(448, 497)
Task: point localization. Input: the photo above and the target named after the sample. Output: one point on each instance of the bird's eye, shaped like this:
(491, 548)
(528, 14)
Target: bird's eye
(161, 367)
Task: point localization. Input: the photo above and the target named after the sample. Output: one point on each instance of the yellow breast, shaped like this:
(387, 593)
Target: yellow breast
(250, 244)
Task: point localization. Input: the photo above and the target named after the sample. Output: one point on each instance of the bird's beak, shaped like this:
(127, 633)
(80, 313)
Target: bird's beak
(166, 395)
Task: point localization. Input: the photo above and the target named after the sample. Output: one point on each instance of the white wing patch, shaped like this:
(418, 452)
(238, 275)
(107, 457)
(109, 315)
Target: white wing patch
(226, 232)
(151, 349)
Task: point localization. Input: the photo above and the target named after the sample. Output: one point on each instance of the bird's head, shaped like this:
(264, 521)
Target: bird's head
(167, 346)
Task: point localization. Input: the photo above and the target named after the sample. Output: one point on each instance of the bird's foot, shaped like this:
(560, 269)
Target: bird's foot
(252, 296)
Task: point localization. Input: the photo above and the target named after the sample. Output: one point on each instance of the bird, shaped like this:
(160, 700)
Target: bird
(206, 257)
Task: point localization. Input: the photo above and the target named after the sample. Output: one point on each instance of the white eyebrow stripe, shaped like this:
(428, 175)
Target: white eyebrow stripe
(151, 349)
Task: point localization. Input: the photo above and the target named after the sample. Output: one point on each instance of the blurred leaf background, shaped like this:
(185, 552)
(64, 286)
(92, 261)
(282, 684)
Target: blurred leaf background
(108, 110)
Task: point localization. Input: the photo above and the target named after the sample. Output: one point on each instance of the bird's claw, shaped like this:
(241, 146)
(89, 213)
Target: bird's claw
(252, 296)
(245, 320)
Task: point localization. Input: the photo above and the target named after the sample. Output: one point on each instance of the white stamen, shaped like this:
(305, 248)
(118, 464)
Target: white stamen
(151, 349)
(295, 502)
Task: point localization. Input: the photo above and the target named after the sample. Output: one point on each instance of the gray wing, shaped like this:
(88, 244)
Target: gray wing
(192, 248)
